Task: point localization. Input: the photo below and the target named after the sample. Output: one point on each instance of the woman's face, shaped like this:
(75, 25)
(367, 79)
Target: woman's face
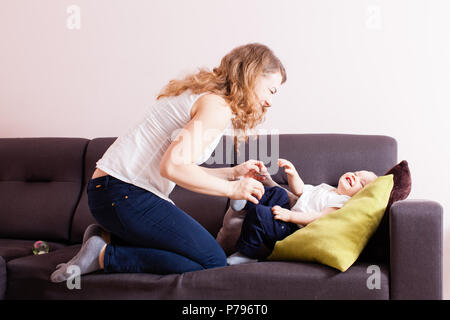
(266, 86)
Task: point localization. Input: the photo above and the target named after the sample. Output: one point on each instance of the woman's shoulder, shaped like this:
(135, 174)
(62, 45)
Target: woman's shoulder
(211, 100)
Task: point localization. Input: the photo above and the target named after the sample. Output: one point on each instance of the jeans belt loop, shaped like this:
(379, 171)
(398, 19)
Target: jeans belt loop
(106, 182)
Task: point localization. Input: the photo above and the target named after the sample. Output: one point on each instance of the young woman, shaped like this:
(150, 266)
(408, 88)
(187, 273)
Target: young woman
(128, 192)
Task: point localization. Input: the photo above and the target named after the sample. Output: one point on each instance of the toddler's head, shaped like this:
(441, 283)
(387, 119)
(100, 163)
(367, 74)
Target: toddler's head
(352, 182)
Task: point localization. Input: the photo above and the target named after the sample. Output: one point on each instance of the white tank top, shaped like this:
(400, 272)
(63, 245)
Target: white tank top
(134, 157)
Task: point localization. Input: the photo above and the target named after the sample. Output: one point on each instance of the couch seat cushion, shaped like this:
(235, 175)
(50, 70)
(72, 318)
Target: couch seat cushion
(12, 248)
(29, 278)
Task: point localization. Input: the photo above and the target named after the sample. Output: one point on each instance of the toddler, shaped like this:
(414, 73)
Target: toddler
(280, 212)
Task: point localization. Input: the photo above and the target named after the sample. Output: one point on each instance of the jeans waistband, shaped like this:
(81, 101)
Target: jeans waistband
(104, 182)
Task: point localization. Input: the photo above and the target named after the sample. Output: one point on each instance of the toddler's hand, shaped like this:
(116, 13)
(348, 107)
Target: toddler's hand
(282, 214)
(288, 167)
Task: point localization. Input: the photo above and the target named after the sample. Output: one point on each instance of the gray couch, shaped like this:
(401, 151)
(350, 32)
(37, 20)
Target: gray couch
(43, 197)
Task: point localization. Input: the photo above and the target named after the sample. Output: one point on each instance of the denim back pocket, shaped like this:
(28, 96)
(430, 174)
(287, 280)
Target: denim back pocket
(105, 192)
(106, 202)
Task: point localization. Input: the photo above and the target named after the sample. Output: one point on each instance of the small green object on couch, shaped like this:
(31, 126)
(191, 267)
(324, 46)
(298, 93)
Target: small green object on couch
(338, 238)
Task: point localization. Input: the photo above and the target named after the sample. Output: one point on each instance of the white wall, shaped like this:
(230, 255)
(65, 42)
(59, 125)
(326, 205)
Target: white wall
(354, 66)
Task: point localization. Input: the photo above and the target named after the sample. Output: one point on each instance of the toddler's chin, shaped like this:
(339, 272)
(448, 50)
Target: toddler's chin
(343, 191)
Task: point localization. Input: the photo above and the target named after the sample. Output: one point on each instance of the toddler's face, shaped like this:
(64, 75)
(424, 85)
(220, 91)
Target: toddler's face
(352, 182)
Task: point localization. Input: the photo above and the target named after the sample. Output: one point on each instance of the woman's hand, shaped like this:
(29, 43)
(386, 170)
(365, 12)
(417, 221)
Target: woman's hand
(246, 189)
(251, 169)
(282, 214)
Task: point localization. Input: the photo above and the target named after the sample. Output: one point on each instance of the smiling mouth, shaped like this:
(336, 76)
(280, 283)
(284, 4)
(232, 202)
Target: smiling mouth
(265, 104)
(350, 181)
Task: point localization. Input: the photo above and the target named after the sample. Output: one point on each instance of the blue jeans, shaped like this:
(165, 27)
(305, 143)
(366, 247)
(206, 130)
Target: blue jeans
(260, 231)
(149, 234)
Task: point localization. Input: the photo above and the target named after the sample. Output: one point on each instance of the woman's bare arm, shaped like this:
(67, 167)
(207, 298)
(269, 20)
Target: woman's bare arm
(212, 116)
(226, 173)
(178, 162)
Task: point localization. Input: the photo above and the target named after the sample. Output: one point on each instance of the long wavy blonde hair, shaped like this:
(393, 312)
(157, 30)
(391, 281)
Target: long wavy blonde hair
(234, 80)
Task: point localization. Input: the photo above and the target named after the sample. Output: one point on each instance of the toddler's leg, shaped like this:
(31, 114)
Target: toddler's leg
(234, 217)
(260, 231)
(270, 183)
(231, 229)
(251, 240)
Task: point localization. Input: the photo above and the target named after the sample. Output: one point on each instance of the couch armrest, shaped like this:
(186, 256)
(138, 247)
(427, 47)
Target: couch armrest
(2, 278)
(416, 250)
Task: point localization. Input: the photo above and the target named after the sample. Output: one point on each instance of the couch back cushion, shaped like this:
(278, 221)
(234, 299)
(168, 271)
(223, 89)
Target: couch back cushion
(321, 158)
(83, 217)
(207, 210)
(40, 185)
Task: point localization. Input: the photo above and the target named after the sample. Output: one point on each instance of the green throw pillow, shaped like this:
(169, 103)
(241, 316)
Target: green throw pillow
(338, 238)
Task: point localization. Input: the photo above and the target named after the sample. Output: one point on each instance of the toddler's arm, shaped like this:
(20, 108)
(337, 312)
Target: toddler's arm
(298, 217)
(295, 182)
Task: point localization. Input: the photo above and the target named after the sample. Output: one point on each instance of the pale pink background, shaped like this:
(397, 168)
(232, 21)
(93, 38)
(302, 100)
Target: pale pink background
(347, 73)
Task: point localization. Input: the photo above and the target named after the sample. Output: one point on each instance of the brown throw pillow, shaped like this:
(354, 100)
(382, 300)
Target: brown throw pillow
(402, 182)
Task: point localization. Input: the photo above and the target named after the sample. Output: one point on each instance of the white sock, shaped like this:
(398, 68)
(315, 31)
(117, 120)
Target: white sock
(86, 260)
(237, 205)
(239, 258)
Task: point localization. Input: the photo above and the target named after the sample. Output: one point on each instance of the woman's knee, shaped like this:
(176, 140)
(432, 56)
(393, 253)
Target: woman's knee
(216, 258)
(220, 260)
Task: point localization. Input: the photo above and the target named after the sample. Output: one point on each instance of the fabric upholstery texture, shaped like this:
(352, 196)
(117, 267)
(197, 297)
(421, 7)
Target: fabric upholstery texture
(2, 278)
(28, 279)
(13, 248)
(40, 184)
(416, 244)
